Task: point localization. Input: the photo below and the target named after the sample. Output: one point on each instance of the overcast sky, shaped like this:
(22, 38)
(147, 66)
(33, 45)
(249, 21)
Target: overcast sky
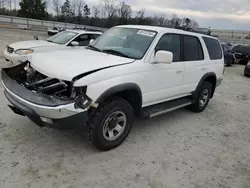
(227, 14)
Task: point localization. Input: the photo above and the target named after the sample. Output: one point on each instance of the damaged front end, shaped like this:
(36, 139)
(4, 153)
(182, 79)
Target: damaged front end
(43, 99)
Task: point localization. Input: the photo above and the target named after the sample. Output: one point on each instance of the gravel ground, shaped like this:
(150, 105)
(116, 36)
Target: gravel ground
(179, 149)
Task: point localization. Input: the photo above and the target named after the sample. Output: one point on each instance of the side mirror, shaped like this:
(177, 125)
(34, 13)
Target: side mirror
(75, 43)
(162, 56)
(91, 40)
(36, 37)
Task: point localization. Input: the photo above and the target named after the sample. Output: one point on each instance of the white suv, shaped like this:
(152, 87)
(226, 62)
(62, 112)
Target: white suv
(129, 71)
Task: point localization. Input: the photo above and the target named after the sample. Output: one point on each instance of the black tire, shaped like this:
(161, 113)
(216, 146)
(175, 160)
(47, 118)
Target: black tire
(243, 62)
(196, 106)
(229, 62)
(101, 114)
(233, 61)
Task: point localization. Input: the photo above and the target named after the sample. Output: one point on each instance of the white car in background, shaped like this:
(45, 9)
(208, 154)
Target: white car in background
(17, 52)
(55, 30)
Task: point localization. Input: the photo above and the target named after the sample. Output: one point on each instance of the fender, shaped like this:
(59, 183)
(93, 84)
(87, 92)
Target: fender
(204, 77)
(119, 88)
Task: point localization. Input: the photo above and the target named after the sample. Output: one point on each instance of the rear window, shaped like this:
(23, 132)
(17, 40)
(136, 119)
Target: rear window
(213, 47)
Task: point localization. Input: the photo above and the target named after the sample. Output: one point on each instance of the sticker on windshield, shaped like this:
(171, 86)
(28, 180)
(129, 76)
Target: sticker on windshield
(146, 33)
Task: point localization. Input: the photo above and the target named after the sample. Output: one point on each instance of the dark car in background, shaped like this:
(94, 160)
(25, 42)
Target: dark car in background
(242, 53)
(247, 69)
(229, 56)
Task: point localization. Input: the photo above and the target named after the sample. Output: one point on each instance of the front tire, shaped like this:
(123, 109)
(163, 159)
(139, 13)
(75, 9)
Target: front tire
(202, 98)
(110, 123)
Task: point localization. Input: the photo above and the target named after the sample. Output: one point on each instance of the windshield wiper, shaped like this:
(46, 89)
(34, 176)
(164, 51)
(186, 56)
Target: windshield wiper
(115, 52)
(94, 48)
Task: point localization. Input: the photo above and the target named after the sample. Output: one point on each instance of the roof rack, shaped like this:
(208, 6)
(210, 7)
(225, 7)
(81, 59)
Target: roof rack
(195, 30)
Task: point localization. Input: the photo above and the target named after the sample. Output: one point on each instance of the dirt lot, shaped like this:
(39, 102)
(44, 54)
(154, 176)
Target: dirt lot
(179, 149)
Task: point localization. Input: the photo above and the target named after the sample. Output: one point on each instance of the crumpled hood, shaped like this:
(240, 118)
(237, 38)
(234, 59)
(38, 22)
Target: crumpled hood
(31, 44)
(69, 63)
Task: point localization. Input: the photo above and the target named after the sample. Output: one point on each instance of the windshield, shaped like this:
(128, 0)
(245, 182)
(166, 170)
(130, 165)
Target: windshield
(127, 42)
(62, 37)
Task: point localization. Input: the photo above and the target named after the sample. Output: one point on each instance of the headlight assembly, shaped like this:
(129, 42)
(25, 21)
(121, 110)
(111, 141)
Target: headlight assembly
(24, 51)
(80, 97)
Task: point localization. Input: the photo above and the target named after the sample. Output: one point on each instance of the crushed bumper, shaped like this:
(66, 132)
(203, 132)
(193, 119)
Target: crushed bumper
(41, 110)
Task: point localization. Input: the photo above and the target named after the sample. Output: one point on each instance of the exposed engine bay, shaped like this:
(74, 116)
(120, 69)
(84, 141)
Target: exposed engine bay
(33, 80)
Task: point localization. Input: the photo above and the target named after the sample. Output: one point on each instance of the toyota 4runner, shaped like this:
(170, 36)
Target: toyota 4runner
(129, 71)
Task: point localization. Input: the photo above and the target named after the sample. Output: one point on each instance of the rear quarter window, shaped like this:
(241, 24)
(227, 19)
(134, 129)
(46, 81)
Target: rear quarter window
(213, 47)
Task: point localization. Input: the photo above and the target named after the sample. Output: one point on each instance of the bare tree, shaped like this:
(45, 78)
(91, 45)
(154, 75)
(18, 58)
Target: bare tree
(193, 24)
(3, 3)
(56, 7)
(96, 11)
(161, 19)
(110, 8)
(124, 11)
(174, 21)
(140, 15)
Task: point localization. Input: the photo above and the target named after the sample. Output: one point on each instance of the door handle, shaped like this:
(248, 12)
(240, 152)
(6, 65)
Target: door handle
(203, 69)
(179, 71)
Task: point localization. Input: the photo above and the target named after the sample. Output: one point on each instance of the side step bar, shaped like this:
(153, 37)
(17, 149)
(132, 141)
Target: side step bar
(165, 107)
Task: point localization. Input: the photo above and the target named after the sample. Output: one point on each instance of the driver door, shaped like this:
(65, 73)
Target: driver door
(165, 80)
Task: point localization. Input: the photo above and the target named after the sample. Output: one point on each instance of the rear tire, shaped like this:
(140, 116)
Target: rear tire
(202, 98)
(229, 63)
(110, 123)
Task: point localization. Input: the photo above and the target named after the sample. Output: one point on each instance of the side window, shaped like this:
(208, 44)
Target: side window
(94, 36)
(172, 43)
(213, 47)
(192, 48)
(83, 40)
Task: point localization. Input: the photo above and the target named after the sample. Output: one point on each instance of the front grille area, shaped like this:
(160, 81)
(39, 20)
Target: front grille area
(42, 84)
(10, 50)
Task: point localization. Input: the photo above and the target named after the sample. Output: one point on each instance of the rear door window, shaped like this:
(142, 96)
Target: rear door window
(213, 47)
(192, 48)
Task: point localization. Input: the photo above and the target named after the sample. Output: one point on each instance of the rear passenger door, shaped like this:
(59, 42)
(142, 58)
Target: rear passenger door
(193, 56)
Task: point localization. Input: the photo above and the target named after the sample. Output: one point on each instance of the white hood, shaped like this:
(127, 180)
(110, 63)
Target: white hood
(31, 44)
(66, 64)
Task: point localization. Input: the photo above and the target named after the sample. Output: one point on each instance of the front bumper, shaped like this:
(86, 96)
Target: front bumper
(14, 58)
(44, 112)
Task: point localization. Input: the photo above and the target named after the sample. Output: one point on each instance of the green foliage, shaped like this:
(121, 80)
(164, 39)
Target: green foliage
(33, 9)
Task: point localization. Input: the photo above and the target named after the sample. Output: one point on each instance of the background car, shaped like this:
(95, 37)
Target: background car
(243, 53)
(247, 69)
(229, 56)
(17, 52)
(55, 30)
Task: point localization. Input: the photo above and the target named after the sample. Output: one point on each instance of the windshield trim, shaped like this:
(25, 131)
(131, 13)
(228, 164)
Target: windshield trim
(146, 51)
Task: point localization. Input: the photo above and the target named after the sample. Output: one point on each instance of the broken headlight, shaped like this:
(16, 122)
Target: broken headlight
(81, 99)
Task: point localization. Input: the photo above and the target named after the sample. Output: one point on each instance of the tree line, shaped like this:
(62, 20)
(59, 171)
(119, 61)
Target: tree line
(109, 13)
